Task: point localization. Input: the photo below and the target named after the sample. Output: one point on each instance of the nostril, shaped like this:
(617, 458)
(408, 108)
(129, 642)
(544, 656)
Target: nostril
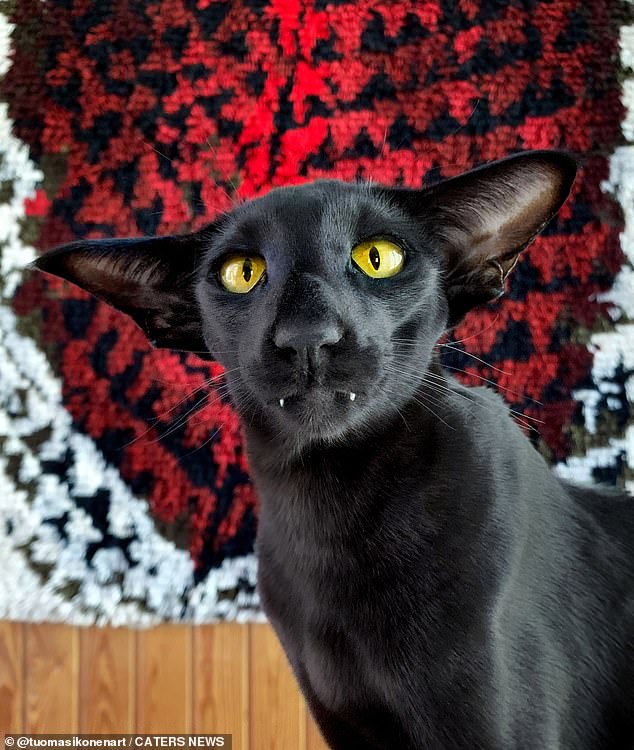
(333, 336)
(284, 339)
(304, 338)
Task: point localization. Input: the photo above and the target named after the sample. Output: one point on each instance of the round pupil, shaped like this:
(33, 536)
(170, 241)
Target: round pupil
(247, 270)
(375, 258)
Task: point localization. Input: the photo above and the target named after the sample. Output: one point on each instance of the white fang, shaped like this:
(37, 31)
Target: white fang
(282, 403)
(352, 396)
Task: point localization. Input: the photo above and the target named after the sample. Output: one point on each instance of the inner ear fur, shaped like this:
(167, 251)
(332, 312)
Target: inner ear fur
(150, 279)
(482, 220)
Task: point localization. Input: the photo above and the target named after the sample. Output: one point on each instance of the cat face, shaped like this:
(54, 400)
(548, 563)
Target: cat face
(323, 301)
(319, 337)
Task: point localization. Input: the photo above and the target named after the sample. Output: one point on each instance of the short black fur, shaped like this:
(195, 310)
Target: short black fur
(433, 584)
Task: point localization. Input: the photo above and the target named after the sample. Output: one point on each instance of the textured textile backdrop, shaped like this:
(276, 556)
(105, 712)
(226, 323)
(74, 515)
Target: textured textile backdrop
(125, 494)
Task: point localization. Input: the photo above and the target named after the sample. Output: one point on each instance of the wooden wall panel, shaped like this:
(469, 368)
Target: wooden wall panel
(219, 678)
(107, 687)
(314, 740)
(51, 679)
(278, 714)
(164, 679)
(11, 676)
(221, 681)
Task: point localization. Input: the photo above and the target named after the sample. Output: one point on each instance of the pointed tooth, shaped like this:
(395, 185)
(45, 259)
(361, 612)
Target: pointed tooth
(281, 403)
(352, 396)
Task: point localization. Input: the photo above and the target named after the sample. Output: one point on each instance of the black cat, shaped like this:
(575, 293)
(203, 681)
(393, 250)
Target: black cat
(434, 585)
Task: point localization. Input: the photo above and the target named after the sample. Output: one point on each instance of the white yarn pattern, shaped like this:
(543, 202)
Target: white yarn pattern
(39, 567)
(615, 348)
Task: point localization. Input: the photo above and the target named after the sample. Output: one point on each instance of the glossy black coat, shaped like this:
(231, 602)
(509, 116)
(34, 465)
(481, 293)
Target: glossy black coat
(434, 585)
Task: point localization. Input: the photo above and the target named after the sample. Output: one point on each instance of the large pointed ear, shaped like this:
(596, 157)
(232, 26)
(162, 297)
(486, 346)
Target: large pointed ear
(150, 279)
(482, 220)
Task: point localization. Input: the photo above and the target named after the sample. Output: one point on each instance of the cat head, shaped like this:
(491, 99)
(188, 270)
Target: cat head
(323, 301)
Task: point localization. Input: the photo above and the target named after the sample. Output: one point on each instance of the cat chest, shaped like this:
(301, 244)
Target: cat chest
(356, 650)
(337, 645)
(345, 668)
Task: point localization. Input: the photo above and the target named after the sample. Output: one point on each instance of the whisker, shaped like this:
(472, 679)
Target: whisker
(494, 384)
(478, 359)
(402, 416)
(384, 142)
(478, 333)
(184, 418)
(242, 394)
(231, 182)
(171, 161)
(180, 421)
(523, 396)
(414, 398)
(520, 419)
(205, 383)
(202, 445)
(426, 407)
(451, 394)
(220, 392)
(204, 351)
(442, 385)
(527, 416)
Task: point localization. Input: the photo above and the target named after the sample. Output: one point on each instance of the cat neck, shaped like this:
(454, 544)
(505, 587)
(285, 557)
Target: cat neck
(401, 447)
(398, 480)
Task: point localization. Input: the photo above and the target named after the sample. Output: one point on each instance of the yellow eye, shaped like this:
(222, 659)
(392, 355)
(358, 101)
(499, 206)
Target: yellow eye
(240, 273)
(379, 259)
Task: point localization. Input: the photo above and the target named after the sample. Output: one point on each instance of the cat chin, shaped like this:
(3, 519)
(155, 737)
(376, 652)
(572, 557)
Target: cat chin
(297, 419)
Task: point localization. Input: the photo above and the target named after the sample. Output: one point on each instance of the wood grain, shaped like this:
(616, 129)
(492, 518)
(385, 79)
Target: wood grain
(51, 679)
(314, 740)
(106, 697)
(11, 677)
(164, 679)
(221, 681)
(218, 678)
(278, 718)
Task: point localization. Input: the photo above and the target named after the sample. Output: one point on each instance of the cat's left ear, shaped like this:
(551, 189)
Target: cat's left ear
(482, 220)
(150, 279)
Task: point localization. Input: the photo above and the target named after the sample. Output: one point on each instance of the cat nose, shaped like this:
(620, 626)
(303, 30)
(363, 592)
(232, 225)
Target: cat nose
(307, 340)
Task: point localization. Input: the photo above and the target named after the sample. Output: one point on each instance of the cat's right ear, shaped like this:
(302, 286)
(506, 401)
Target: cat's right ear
(150, 279)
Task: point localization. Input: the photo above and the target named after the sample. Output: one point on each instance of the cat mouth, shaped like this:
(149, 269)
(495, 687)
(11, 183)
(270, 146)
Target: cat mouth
(322, 396)
(316, 413)
(339, 396)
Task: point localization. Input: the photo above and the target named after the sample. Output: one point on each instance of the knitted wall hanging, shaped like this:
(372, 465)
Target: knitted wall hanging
(124, 489)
